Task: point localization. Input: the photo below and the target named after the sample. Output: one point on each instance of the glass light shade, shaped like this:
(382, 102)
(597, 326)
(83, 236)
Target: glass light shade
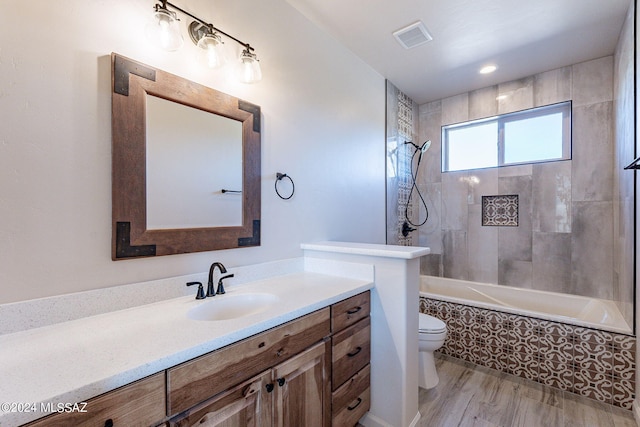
(163, 30)
(249, 68)
(213, 52)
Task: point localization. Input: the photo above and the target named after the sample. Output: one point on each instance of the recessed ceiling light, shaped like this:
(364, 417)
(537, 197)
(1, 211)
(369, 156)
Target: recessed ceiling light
(488, 69)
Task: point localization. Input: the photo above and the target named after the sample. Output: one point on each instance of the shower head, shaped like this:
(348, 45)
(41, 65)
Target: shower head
(425, 146)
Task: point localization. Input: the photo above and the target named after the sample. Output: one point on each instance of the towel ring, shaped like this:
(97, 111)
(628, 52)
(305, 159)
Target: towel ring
(279, 177)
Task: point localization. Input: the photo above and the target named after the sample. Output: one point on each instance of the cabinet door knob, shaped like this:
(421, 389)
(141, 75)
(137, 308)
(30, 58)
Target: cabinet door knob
(358, 350)
(269, 387)
(351, 408)
(108, 423)
(281, 381)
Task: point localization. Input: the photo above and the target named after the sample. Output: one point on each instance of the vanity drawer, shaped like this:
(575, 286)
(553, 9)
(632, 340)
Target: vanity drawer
(350, 402)
(349, 311)
(141, 403)
(199, 379)
(351, 351)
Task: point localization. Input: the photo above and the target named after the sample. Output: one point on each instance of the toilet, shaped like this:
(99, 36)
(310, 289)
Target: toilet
(431, 334)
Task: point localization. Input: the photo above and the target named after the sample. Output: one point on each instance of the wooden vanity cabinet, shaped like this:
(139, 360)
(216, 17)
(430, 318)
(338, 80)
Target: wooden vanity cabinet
(141, 403)
(312, 371)
(351, 354)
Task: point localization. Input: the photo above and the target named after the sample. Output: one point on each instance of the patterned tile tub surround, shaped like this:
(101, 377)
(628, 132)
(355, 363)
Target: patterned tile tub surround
(596, 364)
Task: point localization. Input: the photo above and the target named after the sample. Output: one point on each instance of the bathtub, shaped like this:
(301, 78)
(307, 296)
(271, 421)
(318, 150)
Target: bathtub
(572, 343)
(570, 309)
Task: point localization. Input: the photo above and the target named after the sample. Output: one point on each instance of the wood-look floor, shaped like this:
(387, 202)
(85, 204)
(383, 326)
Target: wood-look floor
(471, 395)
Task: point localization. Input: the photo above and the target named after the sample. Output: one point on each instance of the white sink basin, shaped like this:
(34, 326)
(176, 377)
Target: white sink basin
(226, 307)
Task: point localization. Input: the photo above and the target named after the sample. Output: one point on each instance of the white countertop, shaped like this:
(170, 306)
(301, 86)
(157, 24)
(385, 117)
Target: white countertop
(368, 249)
(73, 361)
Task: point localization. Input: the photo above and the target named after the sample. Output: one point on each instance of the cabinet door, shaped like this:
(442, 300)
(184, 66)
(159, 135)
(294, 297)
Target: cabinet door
(246, 405)
(302, 389)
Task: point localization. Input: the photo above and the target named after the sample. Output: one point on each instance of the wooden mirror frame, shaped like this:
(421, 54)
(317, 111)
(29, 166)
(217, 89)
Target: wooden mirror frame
(131, 82)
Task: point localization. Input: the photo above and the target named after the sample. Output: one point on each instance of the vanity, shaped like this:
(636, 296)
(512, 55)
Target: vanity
(328, 338)
(283, 376)
(305, 356)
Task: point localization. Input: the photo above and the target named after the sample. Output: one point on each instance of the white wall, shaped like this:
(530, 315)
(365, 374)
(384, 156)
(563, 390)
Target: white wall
(323, 124)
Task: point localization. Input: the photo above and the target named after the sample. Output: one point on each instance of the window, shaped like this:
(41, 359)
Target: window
(537, 135)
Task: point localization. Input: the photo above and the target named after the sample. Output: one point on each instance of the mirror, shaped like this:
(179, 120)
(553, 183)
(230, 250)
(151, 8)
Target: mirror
(194, 167)
(186, 165)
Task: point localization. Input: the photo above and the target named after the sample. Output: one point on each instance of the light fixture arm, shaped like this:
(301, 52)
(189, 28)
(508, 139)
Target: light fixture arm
(166, 3)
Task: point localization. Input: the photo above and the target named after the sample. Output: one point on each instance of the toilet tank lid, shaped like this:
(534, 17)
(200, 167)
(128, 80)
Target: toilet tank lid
(430, 324)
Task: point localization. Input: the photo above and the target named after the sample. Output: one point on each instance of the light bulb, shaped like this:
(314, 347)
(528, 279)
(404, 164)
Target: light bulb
(213, 52)
(163, 30)
(249, 68)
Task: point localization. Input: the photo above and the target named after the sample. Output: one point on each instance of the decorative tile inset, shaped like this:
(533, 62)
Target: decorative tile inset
(589, 362)
(500, 210)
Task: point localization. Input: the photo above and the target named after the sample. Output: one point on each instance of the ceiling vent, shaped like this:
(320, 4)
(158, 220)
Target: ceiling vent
(413, 35)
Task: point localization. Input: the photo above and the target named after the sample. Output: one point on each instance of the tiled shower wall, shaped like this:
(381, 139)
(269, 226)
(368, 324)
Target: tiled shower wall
(564, 240)
(402, 113)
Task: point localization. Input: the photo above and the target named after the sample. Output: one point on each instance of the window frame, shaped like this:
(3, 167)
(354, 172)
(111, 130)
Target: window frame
(564, 107)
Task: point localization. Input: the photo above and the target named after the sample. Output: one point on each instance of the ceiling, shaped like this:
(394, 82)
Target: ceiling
(521, 37)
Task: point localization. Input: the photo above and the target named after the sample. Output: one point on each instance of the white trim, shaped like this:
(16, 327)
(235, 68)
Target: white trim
(370, 420)
(416, 419)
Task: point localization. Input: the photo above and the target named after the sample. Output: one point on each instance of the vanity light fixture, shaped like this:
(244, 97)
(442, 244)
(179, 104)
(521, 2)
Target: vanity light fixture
(163, 31)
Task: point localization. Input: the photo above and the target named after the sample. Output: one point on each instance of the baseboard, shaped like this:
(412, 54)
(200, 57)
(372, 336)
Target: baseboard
(636, 411)
(415, 421)
(370, 420)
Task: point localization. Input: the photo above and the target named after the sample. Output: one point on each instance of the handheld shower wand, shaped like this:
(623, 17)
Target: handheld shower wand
(408, 225)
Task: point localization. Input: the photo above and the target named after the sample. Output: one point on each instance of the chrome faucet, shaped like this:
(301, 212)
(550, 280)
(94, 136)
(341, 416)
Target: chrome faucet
(210, 287)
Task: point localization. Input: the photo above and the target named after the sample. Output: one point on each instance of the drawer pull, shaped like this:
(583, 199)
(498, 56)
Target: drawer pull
(108, 423)
(358, 350)
(269, 387)
(354, 310)
(281, 381)
(351, 408)
(280, 352)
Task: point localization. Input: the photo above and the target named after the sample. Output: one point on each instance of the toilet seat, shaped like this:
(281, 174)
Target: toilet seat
(430, 325)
